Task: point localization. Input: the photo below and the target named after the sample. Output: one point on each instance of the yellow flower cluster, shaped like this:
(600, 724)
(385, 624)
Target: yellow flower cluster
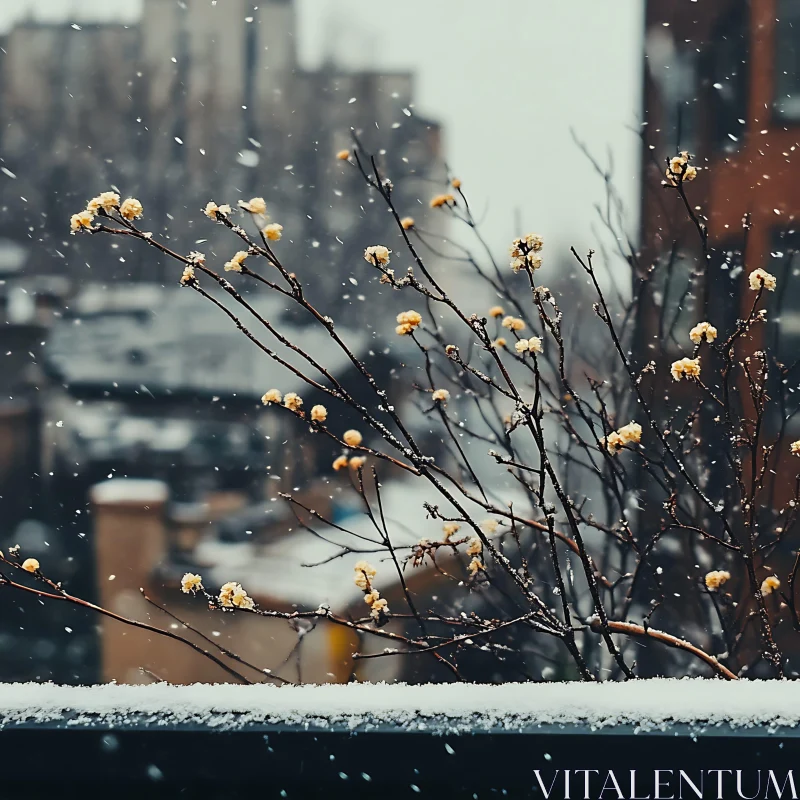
(407, 322)
(130, 209)
(716, 578)
(256, 205)
(108, 201)
(213, 211)
(354, 462)
(232, 595)
(703, 330)
(319, 413)
(352, 438)
(191, 583)
(343, 155)
(377, 254)
(449, 529)
(532, 345)
(30, 565)
(627, 434)
(188, 275)
(680, 170)
(524, 252)
(513, 323)
(770, 584)
(292, 401)
(271, 396)
(474, 546)
(379, 607)
(377, 604)
(441, 200)
(80, 221)
(531, 241)
(273, 231)
(795, 448)
(685, 368)
(441, 396)
(407, 223)
(496, 311)
(235, 264)
(760, 277)
(364, 573)
(475, 566)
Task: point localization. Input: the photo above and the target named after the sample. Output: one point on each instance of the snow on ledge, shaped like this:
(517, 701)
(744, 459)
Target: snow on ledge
(645, 704)
(129, 490)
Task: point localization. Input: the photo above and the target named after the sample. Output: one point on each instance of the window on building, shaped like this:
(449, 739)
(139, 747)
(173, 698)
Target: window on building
(783, 332)
(674, 297)
(674, 71)
(677, 297)
(787, 60)
(784, 263)
(728, 71)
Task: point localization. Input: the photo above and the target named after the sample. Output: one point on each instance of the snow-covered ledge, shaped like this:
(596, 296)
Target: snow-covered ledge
(646, 704)
(655, 739)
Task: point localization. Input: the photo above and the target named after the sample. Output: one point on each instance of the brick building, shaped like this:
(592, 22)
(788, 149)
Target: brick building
(722, 80)
(198, 100)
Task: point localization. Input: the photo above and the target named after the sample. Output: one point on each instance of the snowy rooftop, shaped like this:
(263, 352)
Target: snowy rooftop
(142, 337)
(646, 704)
(276, 570)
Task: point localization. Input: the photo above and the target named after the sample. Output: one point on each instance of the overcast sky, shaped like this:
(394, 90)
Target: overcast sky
(507, 79)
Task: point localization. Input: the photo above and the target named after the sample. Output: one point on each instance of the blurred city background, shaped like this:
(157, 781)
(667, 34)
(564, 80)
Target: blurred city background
(133, 446)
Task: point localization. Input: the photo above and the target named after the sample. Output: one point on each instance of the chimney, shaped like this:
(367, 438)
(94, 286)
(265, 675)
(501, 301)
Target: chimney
(130, 541)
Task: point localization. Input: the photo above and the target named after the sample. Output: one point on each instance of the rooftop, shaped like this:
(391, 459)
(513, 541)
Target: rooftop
(133, 338)
(309, 569)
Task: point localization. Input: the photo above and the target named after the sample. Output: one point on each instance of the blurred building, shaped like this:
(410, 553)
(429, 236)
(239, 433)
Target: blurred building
(722, 80)
(35, 642)
(157, 383)
(200, 100)
(301, 568)
(108, 374)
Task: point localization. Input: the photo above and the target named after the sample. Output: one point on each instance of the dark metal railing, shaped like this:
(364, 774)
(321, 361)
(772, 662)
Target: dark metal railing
(151, 756)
